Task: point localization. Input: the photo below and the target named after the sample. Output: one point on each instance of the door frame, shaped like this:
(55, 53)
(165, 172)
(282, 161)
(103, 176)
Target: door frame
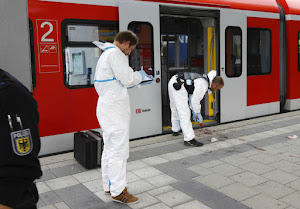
(146, 107)
(233, 96)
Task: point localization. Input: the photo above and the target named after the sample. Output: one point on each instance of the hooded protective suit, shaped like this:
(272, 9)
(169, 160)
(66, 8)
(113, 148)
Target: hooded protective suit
(180, 109)
(113, 76)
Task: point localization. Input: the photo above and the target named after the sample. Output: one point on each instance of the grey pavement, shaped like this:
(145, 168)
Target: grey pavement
(254, 164)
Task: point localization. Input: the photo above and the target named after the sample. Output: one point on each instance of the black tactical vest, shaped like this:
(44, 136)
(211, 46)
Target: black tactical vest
(187, 78)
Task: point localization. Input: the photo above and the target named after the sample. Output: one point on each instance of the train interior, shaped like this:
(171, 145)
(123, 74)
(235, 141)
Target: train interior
(188, 44)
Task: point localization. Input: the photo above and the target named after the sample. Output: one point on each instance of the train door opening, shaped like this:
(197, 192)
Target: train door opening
(188, 44)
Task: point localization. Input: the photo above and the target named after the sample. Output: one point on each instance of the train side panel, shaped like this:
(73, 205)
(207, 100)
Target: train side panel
(14, 40)
(62, 110)
(264, 88)
(263, 85)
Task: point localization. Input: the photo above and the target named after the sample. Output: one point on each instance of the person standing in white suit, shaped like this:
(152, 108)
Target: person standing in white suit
(112, 78)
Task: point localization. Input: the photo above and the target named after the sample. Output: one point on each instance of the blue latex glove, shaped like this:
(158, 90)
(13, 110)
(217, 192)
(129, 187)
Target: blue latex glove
(148, 82)
(197, 117)
(143, 73)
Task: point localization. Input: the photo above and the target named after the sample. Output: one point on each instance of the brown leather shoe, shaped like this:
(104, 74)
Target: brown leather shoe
(126, 198)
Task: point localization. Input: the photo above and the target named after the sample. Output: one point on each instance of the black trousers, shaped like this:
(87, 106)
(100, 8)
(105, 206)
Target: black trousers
(19, 196)
(29, 199)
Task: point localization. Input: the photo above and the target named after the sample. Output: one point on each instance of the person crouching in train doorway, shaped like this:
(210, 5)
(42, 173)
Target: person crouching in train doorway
(186, 90)
(112, 78)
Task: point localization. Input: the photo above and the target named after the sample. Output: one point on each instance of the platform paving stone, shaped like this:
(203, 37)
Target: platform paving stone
(192, 205)
(50, 198)
(294, 184)
(62, 182)
(274, 189)
(161, 180)
(147, 172)
(154, 160)
(145, 200)
(174, 198)
(262, 201)
(161, 190)
(87, 176)
(72, 192)
(226, 169)
(47, 175)
(200, 170)
(238, 191)
(84, 202)
(140, 186)
(49, 207)
(249, 179)
(158, 206)
(252, 165)
(42, 187)
(131, 177)
(280, 176)
(292, 199)
(210, 180)
(94, 186)
(61, 205)
(257, 168)
(66, 170)
(226, 203)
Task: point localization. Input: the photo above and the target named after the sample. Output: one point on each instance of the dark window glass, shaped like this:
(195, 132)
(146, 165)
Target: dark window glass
(259, 54)
(142, 55)
(80, 55)
(182, 45)
(233, 47)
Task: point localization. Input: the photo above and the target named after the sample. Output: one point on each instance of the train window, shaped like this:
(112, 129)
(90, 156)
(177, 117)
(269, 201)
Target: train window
(177, 46)
(142, 55)
(259, 55)
(233, 54)
(80, 54)
(299, 51)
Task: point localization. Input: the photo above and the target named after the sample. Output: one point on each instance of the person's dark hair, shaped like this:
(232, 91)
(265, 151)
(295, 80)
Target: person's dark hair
(125, 36)
(218, 80)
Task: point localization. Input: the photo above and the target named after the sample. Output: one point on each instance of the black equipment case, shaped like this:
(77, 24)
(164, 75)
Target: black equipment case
(88, 147)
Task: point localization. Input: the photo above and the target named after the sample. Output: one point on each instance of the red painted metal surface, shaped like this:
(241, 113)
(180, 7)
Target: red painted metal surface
(265, 88)
(290, 6)
(64, 110)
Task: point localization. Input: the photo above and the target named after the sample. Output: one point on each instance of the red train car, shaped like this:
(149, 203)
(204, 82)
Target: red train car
(243, 40)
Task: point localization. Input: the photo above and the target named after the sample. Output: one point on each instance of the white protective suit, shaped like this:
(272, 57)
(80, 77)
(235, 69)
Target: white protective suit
(179, 104)
(113, 76)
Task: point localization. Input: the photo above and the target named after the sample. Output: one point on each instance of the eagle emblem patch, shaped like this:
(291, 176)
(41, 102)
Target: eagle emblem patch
(21, 142)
